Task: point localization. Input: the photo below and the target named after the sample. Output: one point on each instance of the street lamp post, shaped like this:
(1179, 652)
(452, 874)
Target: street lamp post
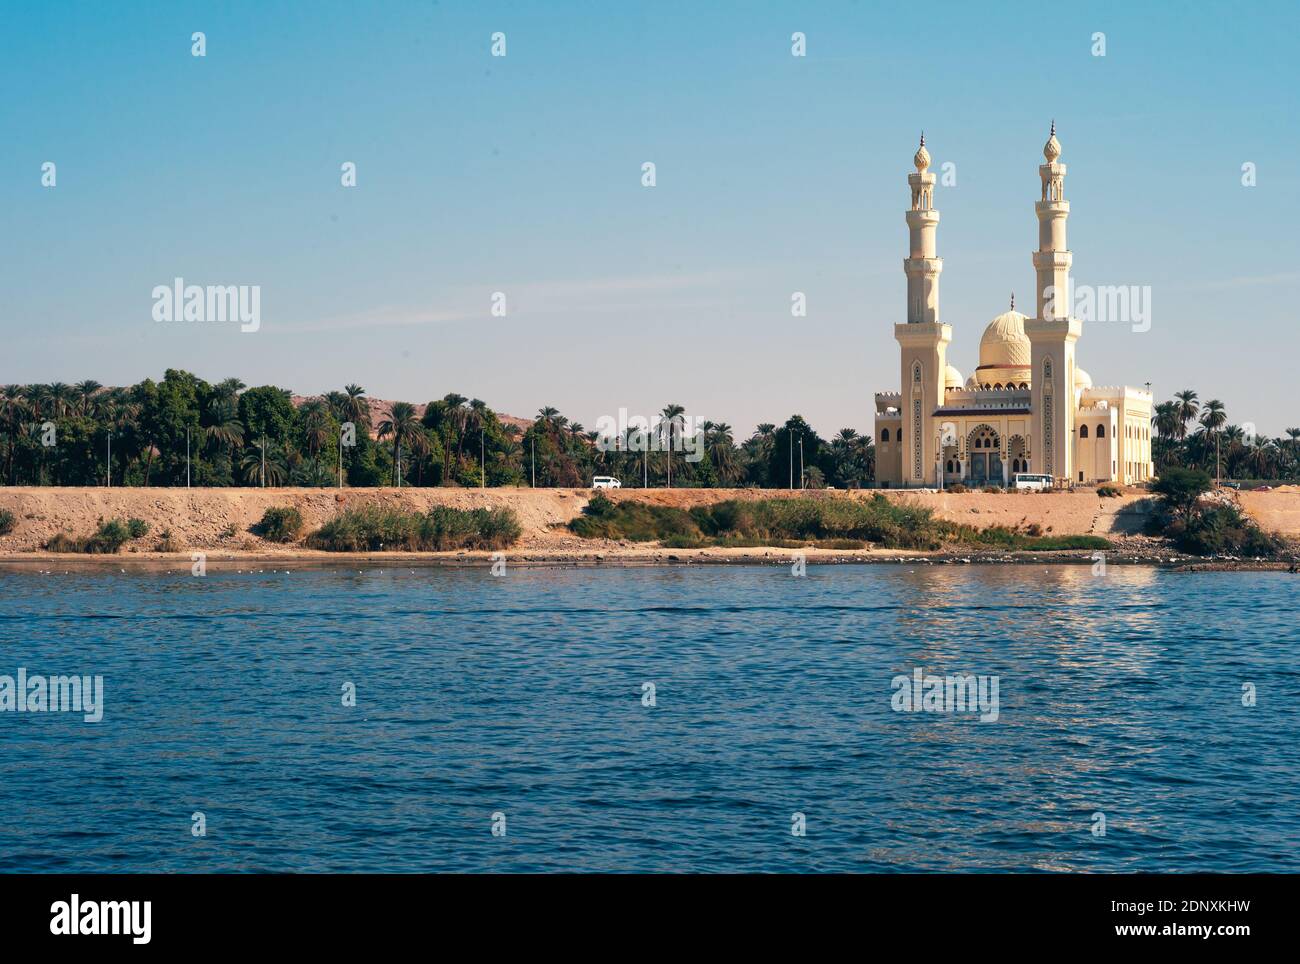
(482, 462)
(802, 483)
(187, 456)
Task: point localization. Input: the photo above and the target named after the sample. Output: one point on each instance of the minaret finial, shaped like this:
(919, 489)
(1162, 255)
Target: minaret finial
(922, 158)
(1013, 301)
(1052, 149)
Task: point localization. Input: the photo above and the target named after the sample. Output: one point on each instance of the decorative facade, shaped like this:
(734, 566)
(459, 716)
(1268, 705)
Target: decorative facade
(1028, 408)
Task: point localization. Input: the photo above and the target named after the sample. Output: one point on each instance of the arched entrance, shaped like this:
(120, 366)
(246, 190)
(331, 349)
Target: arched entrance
(1018, 454)
(984, 455)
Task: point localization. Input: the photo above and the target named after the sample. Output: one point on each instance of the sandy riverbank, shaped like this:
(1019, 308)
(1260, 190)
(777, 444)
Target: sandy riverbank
(220, 523)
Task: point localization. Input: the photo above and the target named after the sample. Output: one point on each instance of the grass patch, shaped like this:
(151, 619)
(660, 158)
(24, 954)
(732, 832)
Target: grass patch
(800, 522)
(280, 524)
(373, 528)
(107, 539)
(784, 523)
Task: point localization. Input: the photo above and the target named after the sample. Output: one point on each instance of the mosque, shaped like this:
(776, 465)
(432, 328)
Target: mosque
(1028, 408)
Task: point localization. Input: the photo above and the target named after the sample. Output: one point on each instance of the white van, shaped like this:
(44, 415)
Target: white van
(1028, 480)
(606, 482)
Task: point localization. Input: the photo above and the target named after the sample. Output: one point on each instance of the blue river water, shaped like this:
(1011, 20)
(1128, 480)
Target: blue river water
(519, 703)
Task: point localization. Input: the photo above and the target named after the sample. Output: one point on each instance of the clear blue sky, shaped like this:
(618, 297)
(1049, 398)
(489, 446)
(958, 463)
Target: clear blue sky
(522, 174)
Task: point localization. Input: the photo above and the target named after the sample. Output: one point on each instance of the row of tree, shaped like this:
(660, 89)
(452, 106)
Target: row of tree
(183, 428)
(1196, 435)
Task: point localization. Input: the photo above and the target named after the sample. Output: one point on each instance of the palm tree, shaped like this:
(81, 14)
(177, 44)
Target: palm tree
(671, 426)
(86, 389)
(357, 406)
(1213, 416)
(722, 451)
(277, 463)
(61, 396)
(551, 419)
(403, 425)
(224, 429)
(228, 389)
(1187, 408)
(1165, 421)
(316, 425)
(1260, 457)
(14, 410)
(120, 414)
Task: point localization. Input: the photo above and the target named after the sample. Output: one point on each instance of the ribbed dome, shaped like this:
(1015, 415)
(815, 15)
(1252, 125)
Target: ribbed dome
(952, 378)
(922, 158)
(1052, 149)
(1004, 343)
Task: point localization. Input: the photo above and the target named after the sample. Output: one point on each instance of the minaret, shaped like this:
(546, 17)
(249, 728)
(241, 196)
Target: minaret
(923, 338)
(922, 266)
(1053, 332)
(1052, 259)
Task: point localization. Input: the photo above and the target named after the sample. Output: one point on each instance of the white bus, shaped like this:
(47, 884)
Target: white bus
(1029, 480)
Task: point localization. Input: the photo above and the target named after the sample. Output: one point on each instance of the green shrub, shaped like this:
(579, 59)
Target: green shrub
(1108, 491)
(62, 542)
(7, 522)
(108, 539)
(136, 528)
(798, 522)
(167, 543)
(957, 487)
(372, 528)
(280, 524)
(765, 522)
(1181, 490)
(1222, 529)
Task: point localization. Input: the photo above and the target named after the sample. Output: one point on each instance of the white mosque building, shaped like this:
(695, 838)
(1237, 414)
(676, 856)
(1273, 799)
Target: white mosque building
(1028, 408)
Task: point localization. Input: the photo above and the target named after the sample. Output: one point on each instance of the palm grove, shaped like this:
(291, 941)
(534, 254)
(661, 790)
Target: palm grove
(86, 434)
(183, 428)
(1197, 435)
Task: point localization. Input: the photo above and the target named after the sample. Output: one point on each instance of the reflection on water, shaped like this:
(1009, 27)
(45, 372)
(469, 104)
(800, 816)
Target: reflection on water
(1119, 694)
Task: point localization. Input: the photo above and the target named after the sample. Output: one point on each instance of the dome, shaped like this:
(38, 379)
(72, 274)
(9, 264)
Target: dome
(972, 383)
(1004, 343)
(1081, 378)
(952, 378)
